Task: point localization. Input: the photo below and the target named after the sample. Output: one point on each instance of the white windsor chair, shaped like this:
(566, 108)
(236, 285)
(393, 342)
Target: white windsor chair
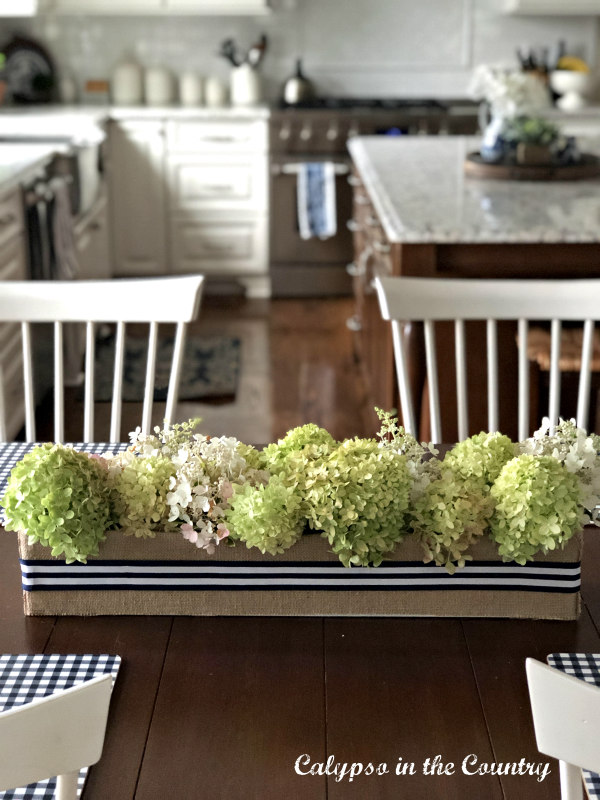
(149, 300)
(54, 736)
(566, 718)
(428, 300)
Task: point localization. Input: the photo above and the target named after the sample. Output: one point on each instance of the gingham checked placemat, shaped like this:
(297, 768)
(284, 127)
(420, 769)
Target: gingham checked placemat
(586, 667)
(11, 452)
(24, 678)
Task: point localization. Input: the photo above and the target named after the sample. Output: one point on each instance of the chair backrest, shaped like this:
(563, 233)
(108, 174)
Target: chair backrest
(428, 300)
(151, 300)
(54, 736)
(566, 718)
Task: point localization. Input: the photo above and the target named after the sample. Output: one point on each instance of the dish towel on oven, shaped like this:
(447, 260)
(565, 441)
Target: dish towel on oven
(65, 264)
(316, 200)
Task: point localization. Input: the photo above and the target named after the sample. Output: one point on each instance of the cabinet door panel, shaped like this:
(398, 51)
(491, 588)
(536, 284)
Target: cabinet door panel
(219, 247)
(91, 241)
(217, 183)
(138, 198)
(215, 136)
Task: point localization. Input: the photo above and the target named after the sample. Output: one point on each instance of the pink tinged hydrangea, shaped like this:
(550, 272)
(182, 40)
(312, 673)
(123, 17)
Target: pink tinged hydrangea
(222, 531)
(226, 490)
(189, 533)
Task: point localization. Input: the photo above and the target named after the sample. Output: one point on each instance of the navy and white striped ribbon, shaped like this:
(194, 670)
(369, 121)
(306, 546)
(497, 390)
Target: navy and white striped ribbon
(49, 575)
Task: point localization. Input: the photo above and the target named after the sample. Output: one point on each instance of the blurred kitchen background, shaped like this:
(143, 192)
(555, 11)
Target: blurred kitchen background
(349, 47)
(184, 133)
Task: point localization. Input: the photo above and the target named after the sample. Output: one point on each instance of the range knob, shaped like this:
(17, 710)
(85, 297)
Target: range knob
(333, 132)
(306, 133)
(285, 132)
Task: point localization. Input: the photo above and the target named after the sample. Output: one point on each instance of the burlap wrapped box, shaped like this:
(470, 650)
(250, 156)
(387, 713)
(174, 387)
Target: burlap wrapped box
(168, 575)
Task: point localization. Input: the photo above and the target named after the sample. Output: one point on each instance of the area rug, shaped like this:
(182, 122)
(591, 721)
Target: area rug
(211, 366)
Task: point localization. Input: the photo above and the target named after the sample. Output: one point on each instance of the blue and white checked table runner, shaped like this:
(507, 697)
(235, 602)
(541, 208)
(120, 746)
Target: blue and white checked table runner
(24, 678)
(586, 667)
(11, 452)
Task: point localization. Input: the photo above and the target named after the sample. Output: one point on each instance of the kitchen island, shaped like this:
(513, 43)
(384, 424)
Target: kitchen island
(417, 214)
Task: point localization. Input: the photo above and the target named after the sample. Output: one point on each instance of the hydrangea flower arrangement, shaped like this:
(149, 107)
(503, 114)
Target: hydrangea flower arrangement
(204, 473)
(363, 495)
(537, 507)
(61, 499)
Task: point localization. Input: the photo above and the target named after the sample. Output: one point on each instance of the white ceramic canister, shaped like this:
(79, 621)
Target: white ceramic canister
(126, 84)
(190, 89)
(215, 92)
(245, 86)
(158, 86)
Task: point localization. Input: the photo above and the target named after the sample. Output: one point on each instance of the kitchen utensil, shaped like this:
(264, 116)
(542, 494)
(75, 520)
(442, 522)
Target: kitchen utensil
(190, 89)
(245, 86)
(257, 52)
(158, 86)
(127, 83)
(215, 92)
(298, 88)
(230, 52)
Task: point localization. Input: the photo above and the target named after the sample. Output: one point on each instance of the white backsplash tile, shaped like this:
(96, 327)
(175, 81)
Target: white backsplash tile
(351, 47)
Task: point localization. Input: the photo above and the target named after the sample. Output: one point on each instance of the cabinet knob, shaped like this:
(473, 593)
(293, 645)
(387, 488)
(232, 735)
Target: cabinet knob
(354, 323)
(353, 226)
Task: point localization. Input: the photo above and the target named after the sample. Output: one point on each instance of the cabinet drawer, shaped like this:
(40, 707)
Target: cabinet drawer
(217, 136)
(227, 248)
(11, 216)
(12, 407)
(217, 183)
(12, 261)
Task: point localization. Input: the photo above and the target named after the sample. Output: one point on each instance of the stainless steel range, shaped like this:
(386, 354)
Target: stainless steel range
(319, 131)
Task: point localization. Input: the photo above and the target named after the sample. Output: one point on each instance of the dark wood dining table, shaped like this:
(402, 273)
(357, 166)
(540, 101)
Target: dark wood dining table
(243, 708)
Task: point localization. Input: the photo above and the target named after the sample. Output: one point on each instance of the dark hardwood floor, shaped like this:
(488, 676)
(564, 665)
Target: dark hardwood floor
(297, 366)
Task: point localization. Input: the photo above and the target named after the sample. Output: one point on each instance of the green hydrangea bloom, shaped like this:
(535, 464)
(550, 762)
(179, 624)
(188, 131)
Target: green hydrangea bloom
(481, 457)
(267, 517)
(449, 516)
(61, 499)
(140, 487)
(358, 495)
(300, 444)
(538, 507)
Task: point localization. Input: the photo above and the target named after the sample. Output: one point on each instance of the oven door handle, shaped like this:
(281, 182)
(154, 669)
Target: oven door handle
(293, 168)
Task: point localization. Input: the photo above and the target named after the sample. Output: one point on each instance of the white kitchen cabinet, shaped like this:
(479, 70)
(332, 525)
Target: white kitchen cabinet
(562, 7)
(110, 7)
(217, 174)
(137, 197)
(92, 243)
(12, 268)
(211, 182)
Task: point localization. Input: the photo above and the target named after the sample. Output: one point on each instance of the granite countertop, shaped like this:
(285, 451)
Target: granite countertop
(421, 194)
